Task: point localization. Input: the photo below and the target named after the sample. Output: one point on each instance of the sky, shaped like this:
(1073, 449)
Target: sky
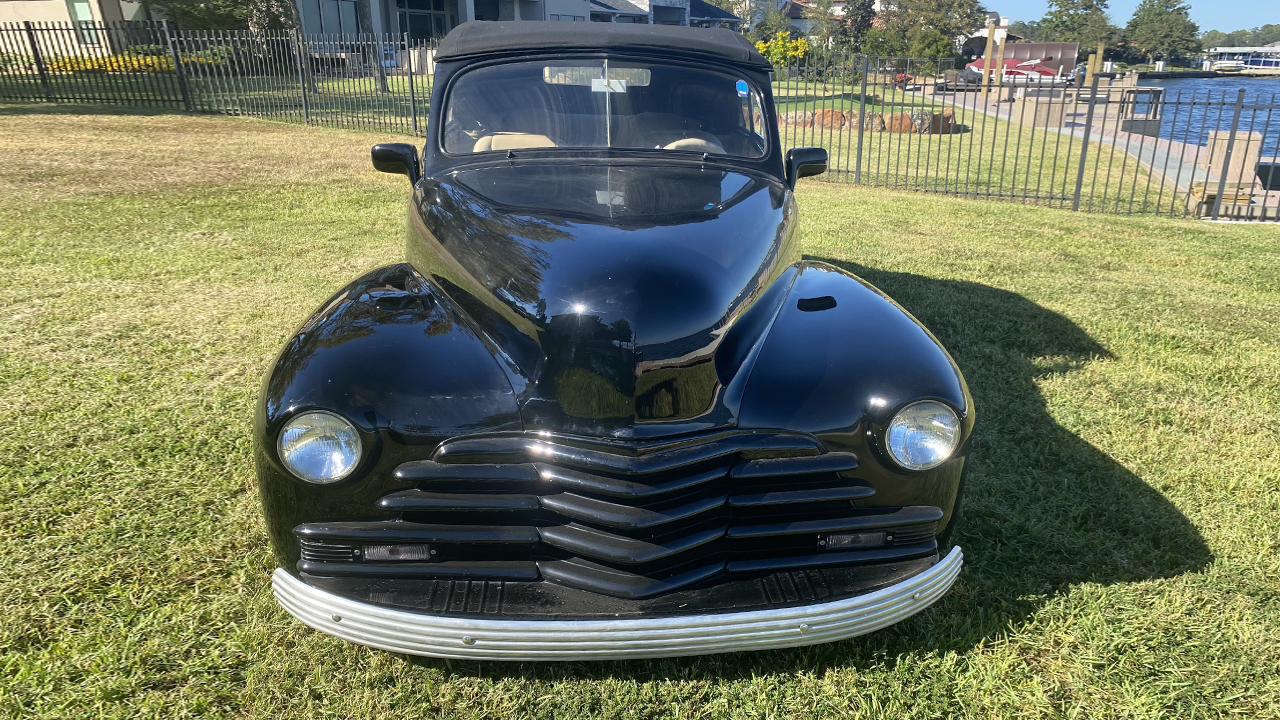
(1224, 15)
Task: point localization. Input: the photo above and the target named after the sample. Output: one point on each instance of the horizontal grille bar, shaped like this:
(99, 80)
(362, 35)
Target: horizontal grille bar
(613, 548)
(493, 570)
(905, 516)
(431, 470)
(851, 557)
(792, 497)
(624, 516)
(408, 532)
(597, 578)
(588, 482)
(775, 467)
(421, 501)
(517, 448)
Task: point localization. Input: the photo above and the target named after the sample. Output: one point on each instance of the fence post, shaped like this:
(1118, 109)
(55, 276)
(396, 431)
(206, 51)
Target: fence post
(39, 60)
(1226, 160)
(299, 53)
(862, 120)
(1084, 146)
(413, 103)
(177, 66)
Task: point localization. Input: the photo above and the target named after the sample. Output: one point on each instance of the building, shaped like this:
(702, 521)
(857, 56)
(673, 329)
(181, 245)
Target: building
(422, 19)
(70, 11)
(1264, 59)
(976, 44)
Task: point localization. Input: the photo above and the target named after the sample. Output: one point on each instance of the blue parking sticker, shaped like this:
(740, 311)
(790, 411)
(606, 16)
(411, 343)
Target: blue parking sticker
(742, 88)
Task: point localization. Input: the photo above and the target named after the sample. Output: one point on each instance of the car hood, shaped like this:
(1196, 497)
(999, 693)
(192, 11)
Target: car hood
(622, 298)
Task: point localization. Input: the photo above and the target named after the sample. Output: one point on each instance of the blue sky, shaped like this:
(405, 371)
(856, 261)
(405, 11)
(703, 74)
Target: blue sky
(1225, 15)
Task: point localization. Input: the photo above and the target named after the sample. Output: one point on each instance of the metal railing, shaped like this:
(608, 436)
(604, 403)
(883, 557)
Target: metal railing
(1113, 146)
(359, 81)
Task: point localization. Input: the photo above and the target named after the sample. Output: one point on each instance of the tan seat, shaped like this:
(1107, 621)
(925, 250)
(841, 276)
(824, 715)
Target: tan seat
(512, 141)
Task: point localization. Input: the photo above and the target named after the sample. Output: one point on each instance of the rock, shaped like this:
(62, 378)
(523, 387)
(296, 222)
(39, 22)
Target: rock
(943, 123)
(870, 123)
(897, 122)
(797, 118)
(921, 121)
(828, 118)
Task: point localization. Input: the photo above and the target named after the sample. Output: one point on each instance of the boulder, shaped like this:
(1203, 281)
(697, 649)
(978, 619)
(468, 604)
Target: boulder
(797, 118)
(828, 118)
(871, 122)
(897, 122)
(921, 121)
(943, 123)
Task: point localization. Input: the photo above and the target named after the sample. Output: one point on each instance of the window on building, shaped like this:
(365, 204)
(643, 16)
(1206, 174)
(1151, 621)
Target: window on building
(423, 19)
(567, 18)
(82, 17)
(329, 16)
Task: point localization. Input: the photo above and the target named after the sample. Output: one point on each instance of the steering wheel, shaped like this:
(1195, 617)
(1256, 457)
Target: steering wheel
(697, 144)
(676, 139)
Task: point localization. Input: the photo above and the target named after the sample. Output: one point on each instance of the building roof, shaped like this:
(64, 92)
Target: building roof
(1244, 50)
(622, 7)
(702, 10)
(476, 39)
(795, 9)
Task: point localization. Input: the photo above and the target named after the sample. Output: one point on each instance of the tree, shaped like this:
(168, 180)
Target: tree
(1163, 27)
(782, 50)
(858, 18)
(1255, 37)
(256, 15)
(838, 30)
(930, 44)
(1033, 30)
(741, 8)
(887, 41)
(772, 20)
(1079, 21)
(952, 18)
(825, 29)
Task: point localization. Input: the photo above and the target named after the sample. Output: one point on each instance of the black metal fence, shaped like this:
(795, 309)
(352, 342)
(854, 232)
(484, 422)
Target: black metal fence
(359, 81)
(1111, 146)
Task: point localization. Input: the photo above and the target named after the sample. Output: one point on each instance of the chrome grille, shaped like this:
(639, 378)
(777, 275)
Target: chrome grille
(628, 519)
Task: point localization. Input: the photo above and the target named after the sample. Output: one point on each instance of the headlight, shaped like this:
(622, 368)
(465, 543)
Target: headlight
(923, 435)
(319, 447)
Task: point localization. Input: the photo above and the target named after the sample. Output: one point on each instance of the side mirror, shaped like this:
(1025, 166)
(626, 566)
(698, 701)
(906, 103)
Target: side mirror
(398, 158)
(803, 162)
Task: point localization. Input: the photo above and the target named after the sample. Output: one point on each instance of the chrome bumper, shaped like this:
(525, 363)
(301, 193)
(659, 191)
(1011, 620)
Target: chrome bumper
(482, 639)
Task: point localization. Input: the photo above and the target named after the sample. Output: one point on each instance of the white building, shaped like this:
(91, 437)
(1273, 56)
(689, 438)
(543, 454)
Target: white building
(433, 18)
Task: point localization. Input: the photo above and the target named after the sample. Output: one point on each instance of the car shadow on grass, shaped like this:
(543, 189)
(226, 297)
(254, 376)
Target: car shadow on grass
(1043, 510)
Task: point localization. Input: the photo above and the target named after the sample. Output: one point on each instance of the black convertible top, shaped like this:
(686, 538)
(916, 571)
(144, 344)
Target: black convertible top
(476, 39)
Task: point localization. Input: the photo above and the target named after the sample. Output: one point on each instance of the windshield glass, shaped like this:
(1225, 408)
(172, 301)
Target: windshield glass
(603, 103)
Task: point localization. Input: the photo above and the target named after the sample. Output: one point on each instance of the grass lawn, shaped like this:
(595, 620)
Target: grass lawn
(1121, 524)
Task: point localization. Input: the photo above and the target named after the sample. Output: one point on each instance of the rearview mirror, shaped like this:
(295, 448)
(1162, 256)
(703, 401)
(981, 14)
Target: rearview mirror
(803, 162)
(398, 158)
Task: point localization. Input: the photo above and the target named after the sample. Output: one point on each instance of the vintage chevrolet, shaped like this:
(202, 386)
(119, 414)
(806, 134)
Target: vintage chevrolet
(605, 409)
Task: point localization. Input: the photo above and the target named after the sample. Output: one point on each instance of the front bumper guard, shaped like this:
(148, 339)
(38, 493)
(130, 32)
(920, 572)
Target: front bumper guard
(483, 639)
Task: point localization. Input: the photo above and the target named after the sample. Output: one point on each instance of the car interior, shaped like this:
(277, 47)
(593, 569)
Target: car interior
(515, 106)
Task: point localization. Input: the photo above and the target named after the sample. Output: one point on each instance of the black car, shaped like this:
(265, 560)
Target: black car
(605, 409)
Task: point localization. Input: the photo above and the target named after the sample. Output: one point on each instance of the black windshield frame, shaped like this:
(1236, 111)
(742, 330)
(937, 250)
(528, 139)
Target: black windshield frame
(437, 160)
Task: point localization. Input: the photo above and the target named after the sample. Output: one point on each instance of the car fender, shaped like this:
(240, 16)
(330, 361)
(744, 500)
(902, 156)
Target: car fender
(389, 354)
(839, 361)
